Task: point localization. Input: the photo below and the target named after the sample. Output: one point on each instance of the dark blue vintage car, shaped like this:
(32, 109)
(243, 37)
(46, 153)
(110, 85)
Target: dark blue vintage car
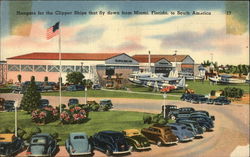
(73, 102)
(221, 101)
(9, 105)
(181, 132)
(111, 142)
(205, 122)
(10, 145)
(75, 88)
(43, 103)
(42, 145)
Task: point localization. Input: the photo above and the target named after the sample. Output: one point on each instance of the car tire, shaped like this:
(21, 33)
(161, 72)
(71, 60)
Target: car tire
(159, 143)
(108, 152)
(204, 129)
(178, 139)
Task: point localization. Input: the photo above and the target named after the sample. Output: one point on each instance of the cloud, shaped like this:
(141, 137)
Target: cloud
(89, 34)
(197, 36)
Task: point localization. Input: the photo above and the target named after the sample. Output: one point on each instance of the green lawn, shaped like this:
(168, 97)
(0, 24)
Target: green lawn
(111, 94)
(112, 120)
(205, 88)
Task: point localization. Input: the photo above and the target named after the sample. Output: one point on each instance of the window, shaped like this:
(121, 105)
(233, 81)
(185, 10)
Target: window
(26, 67)
(53, 68)
(40, 68)
(13, 67)
(83, 69)
(79, 137)
(67, 68)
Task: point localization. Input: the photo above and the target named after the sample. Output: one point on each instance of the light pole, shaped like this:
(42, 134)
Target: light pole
(85, 95)
(164, 108)
(16, 105)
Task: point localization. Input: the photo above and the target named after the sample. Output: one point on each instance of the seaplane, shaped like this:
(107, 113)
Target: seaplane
(226, 79)
(158, 81)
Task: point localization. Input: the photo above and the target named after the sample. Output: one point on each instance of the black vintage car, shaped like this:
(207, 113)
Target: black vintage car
(221, 101)
(9, 105)
(111, 142)
(10, 145)
(43, 103)
(205, 122)
(210, 101)
(73, 102)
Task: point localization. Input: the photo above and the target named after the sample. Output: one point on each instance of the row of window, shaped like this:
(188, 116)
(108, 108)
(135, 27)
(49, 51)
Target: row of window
(47, 68)
(65, 68)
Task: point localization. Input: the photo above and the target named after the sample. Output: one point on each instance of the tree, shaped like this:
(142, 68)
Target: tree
(31, 98)
(75, 78)
(19, 77)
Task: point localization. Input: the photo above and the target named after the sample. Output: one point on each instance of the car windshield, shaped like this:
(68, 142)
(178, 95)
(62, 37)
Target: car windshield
(79, 137)
(38, 140)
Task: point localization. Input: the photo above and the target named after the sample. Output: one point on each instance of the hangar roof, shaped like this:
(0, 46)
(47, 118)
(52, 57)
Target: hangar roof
(155, 58)
(66, 56)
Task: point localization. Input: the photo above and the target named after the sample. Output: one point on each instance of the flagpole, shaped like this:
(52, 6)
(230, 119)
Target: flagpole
(60, 77)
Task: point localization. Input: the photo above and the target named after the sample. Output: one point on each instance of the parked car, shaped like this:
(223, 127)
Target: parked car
(210, 101)
(136, 140)
(186, 110)
(203, 112)
(197, 98)
(192, 126)
(159, 134)
(205, 122)
(2, 104)
(73, 102)
(78, 144)
(171, 111)
(221, 101)
(111, 142)
(43, 103)
(181, 132)
(107, 102)
(9, 105)
(42, 145)
(96, 86)
(75, 88)
(10, 145)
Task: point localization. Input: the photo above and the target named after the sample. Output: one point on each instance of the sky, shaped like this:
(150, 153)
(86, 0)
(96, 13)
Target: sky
(222, 36)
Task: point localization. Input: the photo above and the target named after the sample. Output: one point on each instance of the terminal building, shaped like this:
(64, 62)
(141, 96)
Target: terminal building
(94, 66)
(165, 63)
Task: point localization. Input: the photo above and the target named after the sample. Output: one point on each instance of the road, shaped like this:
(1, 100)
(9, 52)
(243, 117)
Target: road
(231, 127)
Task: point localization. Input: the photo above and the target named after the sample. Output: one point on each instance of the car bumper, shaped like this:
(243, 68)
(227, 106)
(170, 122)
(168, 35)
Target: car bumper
(85, 153)
(175, 142)
(38, 155)
(122, 152)
(187, 139)
(143, 148)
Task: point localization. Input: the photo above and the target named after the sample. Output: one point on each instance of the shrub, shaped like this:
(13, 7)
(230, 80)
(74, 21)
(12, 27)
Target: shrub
(147, 118)
(20, 133)
(74, 115)
(45, 115)
(162, 121)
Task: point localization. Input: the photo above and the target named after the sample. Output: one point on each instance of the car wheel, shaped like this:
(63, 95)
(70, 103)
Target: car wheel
(172, 117)
(108, 152)
(178, 139)
(159, 143)
(204, 128)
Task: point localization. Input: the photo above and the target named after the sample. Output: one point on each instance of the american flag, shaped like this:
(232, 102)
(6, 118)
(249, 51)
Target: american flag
(53, 31)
